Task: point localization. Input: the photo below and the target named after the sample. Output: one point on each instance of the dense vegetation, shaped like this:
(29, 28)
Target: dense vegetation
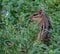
(18, 34)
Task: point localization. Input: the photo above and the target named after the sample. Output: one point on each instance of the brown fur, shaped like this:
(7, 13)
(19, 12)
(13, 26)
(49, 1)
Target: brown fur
(43, 23)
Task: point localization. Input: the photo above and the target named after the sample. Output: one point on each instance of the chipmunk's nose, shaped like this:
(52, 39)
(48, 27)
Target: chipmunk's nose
(30, 16)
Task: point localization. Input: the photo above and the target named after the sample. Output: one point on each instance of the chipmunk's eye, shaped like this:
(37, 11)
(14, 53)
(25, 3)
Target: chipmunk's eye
(35, 14)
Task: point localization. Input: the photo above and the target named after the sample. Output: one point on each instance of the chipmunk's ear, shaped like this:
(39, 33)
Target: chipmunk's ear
(39, 10)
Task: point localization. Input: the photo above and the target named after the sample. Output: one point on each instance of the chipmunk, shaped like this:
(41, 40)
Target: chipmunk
(44, 24)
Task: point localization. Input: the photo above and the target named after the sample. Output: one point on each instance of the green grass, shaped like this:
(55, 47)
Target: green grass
(17, 33)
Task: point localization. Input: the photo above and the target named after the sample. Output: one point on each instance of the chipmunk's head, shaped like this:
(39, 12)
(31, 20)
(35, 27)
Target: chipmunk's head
(37, 15)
